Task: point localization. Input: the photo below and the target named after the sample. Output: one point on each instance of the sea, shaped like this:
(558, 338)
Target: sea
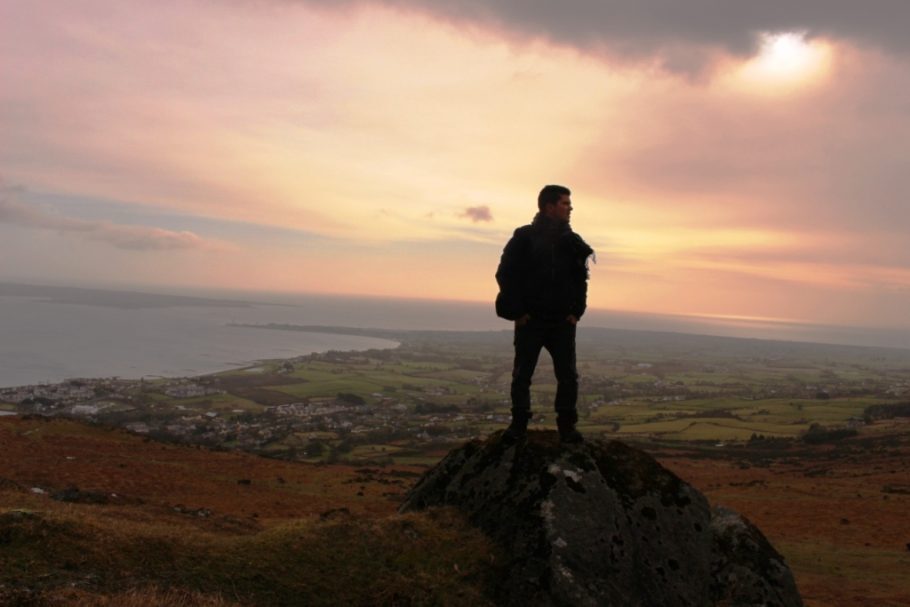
(49, 334)
(52, 333)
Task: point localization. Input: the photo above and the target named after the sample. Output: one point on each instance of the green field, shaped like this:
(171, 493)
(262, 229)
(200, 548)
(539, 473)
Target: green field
(441, 388)
(691, 388)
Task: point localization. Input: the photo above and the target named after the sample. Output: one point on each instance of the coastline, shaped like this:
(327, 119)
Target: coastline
(373, 343)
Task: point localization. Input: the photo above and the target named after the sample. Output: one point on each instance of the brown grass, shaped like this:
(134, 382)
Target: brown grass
(150, 596)
(827, 510)
(178, 526)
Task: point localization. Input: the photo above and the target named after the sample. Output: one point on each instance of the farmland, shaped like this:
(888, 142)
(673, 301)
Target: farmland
(408, 404)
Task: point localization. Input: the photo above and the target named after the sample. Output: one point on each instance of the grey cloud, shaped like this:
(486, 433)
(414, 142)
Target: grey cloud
(130, 237)
(478, 214)
(670, 28)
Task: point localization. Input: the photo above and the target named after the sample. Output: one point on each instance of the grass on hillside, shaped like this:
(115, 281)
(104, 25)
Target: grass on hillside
(884, 578)
(175, 526)
(415, 559)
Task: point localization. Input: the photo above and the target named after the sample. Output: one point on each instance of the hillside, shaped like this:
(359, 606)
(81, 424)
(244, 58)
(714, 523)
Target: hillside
(219, 528)
(182, 525)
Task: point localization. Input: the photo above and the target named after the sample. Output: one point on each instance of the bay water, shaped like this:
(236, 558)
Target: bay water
(48, 334)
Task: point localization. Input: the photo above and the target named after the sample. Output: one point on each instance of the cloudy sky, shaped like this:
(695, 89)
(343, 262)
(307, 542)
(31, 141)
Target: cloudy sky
(726, 158)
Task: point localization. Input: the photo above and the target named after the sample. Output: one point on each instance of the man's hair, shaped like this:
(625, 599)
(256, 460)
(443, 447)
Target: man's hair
(550, 194)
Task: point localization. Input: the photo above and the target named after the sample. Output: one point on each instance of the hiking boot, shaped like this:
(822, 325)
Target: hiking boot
(518, 429)
(566, 426)
(570, 435)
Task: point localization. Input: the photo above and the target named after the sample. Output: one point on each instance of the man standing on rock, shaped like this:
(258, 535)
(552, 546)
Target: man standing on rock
(543, 287)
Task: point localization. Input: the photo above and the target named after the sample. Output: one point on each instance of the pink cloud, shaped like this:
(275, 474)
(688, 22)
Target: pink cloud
(121, 236)
(477, 214)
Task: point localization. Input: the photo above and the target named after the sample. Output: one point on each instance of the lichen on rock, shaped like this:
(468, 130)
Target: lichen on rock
(601, 523)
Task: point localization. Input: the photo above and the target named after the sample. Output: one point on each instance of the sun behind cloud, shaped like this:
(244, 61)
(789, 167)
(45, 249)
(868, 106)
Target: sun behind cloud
(786, 60)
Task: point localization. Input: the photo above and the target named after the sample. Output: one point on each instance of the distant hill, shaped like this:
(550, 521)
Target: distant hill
(111, 298)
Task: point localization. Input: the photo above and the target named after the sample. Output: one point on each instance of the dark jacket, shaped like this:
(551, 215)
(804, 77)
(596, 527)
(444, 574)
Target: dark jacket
(543, 272)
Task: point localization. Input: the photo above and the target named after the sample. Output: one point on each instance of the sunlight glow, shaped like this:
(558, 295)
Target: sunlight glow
(785, 60)
(736, 318)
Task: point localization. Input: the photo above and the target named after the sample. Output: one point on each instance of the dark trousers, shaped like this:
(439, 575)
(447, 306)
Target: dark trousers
(559, 340)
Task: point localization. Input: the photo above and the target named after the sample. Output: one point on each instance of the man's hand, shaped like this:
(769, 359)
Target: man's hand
(571, 319)
(522, 321)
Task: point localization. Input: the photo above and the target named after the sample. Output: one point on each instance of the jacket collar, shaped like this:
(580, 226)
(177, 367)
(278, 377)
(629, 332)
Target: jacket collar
(544, 222)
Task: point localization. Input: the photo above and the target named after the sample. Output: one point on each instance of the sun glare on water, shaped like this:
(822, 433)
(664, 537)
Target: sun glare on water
(786, 60)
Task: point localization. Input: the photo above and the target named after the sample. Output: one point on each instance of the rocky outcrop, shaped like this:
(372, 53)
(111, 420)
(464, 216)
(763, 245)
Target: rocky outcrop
(601, 523)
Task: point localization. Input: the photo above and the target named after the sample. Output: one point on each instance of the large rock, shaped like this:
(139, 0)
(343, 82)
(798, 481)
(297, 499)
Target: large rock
(601, 523)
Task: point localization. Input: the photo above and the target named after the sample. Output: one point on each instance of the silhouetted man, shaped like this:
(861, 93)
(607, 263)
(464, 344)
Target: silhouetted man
(543, 287)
